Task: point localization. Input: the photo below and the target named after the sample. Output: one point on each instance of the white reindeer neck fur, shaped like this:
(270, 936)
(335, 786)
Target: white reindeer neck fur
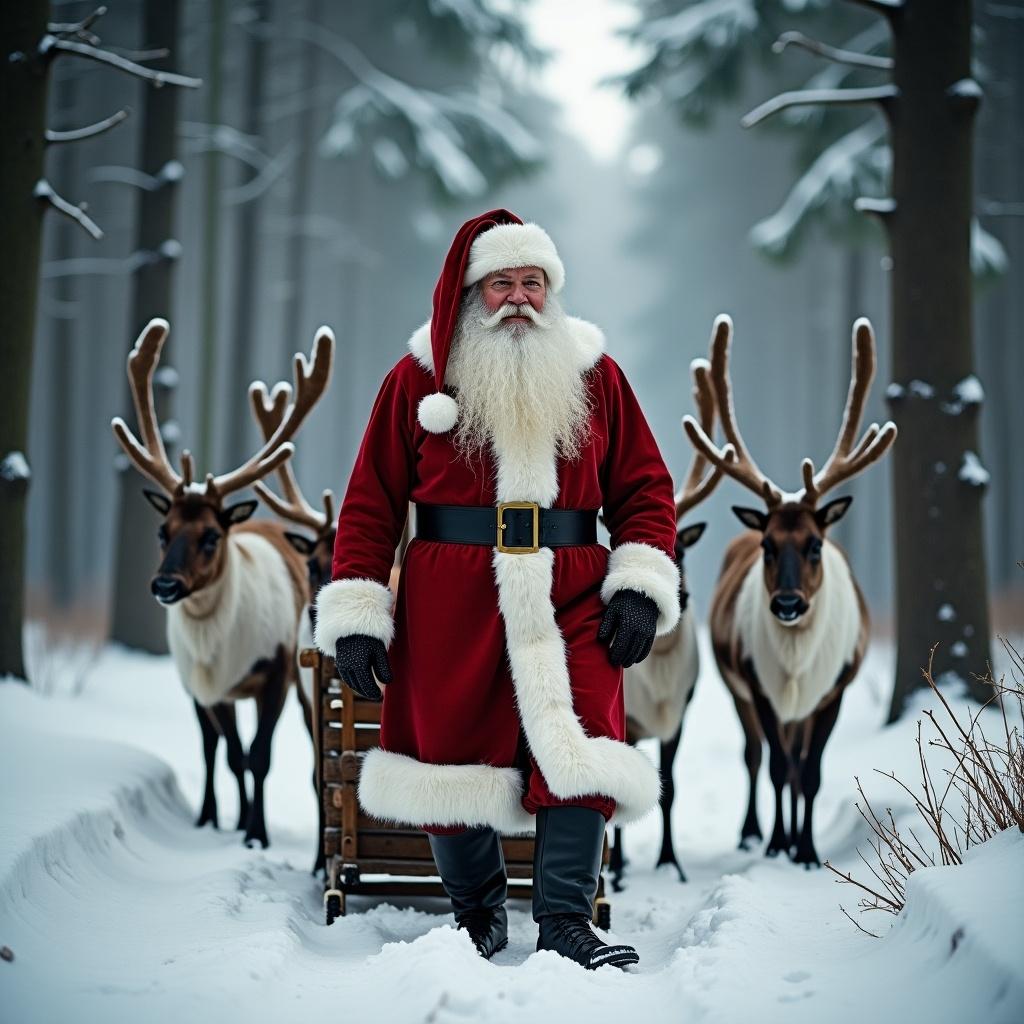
(657, 688)
(217, 635)
(798, 665)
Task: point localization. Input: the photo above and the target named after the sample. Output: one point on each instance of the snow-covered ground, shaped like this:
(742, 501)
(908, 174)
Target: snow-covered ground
(117, 909)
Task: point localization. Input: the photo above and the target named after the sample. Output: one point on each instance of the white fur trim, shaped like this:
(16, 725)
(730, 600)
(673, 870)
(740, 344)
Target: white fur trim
(348, 607)
(514, 245)
(634, 566)
(437, 412)
(419, 346)
(394, 787)
(573, 763)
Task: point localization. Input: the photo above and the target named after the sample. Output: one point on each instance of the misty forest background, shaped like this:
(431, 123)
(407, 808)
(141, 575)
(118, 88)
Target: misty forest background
(319, 172)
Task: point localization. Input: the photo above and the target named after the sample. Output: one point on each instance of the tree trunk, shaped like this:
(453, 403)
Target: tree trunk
(211, 244)
(294, 334)
(23, 85)
(942, 593)
(60, 366)
(244, 332)
(138, 620)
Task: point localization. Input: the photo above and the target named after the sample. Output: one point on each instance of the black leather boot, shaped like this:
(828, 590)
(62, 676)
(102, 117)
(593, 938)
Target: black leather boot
(472, 869)
(566, 865)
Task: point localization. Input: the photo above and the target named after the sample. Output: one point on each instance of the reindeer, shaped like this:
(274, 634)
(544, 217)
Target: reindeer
(233, 590)
(789, 625)
(658, 689)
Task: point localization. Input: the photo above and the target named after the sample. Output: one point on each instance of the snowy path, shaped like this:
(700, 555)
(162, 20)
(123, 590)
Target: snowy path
(117, 909)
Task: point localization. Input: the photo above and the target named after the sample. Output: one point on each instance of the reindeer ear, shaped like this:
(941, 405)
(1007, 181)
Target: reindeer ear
(689, 535)
(235, 514)
(752, 518)
(832, 512)
(302, 544)
(159, 501)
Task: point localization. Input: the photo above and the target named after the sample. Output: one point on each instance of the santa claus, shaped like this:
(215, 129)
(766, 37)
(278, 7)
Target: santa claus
(509, 428)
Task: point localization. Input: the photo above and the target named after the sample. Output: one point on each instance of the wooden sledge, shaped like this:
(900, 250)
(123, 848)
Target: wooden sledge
(370, 857)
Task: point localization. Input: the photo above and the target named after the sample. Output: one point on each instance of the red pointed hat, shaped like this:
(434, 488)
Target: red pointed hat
(496, 240)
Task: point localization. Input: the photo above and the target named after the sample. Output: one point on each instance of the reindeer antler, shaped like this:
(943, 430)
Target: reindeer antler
(734, 459)
(844, 463)
(149, 455)
(269, 410)
(311, 379)
(698, 486)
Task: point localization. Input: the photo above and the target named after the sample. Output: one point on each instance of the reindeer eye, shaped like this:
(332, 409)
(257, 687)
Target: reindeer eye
(814, 550)
(769, 550)
(162, 535)
(209, 540)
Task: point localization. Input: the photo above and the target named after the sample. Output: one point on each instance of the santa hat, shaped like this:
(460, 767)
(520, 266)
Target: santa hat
(496, 240)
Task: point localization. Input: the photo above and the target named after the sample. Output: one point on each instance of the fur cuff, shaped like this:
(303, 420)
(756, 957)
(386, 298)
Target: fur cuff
(635, 566)
(395, 787)
(349, 607)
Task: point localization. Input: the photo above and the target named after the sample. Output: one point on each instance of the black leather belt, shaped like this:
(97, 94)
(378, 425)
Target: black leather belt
(514, 527)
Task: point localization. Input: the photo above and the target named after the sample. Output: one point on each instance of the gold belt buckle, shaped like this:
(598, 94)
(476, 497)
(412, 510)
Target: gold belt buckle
(535, 508)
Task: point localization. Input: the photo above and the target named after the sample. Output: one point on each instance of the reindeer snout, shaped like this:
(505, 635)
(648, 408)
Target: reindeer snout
(167, 589)
(788, 607)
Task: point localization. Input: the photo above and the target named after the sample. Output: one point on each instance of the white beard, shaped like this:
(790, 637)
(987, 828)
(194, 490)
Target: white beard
(517, 384)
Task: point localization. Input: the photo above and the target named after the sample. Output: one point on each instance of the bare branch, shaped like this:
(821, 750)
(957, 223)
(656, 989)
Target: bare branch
(51, 46)
(861, 60)
(880, 94)
(171, 173)
(77, 134)
(45, 194)
(881, 207)
(77, 27)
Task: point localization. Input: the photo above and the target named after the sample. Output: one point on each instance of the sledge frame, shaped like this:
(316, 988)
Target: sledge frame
(365, 856)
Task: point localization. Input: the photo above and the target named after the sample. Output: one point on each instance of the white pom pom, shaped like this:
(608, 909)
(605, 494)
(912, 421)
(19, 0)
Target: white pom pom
(437, 413)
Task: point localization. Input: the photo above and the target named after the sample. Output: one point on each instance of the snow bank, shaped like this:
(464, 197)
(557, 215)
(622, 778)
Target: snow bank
(117, 909)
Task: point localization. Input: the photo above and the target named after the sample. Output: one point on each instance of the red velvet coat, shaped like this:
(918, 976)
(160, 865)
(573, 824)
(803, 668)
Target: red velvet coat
(485, 645)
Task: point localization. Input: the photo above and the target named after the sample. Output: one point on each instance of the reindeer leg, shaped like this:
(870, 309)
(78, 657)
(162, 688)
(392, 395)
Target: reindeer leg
(269, 703)
(778, 767)
(752, 752)
(319, 862)
(616, 860)
(810, 782)
(208, 813)
(795, 744)
(224, 715)
(668, 795)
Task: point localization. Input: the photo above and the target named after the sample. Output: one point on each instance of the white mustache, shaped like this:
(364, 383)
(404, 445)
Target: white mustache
(509, 309)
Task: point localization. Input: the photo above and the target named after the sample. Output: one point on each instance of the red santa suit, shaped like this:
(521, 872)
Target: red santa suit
(489, 649)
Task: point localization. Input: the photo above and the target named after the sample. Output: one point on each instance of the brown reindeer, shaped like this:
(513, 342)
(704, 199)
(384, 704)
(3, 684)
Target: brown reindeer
(789, 625)
(233, 590)
(658, 690)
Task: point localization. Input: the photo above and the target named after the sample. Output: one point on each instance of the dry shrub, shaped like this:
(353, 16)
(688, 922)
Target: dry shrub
(58, 662)
(987, 775)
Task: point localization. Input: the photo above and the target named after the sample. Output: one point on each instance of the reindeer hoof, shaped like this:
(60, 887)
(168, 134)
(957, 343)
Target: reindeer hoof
(809, 858)
(207, 818)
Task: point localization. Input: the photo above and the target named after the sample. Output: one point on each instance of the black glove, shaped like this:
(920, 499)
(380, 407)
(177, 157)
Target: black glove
(632, 618)
(357, 658)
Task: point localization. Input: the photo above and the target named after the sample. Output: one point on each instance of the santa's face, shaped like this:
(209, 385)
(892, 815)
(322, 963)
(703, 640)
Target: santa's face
(516, 286)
